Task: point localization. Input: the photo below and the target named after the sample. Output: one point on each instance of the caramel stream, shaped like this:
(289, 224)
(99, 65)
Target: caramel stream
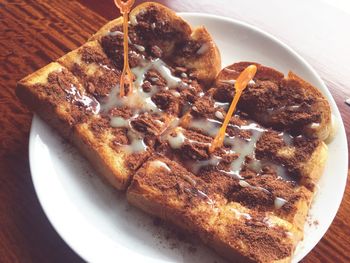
(126, 76)
(241, 83)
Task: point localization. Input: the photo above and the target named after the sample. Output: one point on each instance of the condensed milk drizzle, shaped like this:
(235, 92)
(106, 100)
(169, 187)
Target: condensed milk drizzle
(137, 143)
(80, 99)
(244, 147)
(138, 100)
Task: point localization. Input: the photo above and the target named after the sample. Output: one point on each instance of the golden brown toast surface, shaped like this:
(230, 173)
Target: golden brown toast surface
(248, 199)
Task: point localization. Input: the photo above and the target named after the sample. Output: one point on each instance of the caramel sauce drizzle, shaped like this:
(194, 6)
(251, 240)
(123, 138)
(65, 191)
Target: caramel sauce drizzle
(126, 76)
(241, 83)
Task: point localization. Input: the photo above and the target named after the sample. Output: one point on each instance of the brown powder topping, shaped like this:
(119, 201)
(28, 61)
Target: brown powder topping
(98, 84)
(190, 94)
(148, 124)
(263, 73)
(63, 87)
(93, 55)
(155, 78)
(262, 191)
(284, 107)
(272, 147)
(264, 243)
(156, 51)
(120, 138)
(99, 126)
(112, 44)
(272, 100)
(166, 101)
(173, 180)
(223, 92)
(204, 107)
(187, 48)
(135, 160)
(196, 147)
(124, 112)
(152, 24)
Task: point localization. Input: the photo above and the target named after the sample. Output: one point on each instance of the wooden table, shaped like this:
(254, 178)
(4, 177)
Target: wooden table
(33, 33)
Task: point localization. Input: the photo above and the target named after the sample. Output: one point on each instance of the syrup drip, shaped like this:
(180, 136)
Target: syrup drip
(126, 76)
(241, 83)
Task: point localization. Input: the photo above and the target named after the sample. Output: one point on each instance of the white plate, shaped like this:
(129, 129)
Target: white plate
(96, 220)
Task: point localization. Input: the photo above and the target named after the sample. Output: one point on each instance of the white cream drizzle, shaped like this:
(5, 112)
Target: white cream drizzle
(203, 49)
(159, 164)
(208, 126)
(119, 122)
(287, 138)
(219, 115)
(140, 48)
(243, 147)
(315, 125)
(272, 111)
(137, 143)
(223, 105)
(279, 202)
(233, 81)
(91, 104)
(139, 101)
(133, 20)
(239, 214)
(177, 141)
(197, 165)
(183, 75)
(229, 81)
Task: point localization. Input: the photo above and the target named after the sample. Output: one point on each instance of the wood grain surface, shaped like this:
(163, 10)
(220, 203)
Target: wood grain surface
(33, 33)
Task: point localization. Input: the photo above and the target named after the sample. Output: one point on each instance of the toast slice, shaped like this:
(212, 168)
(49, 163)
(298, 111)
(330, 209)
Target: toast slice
(283, 103)
(157, 29)
(119, 134)
(165, 189)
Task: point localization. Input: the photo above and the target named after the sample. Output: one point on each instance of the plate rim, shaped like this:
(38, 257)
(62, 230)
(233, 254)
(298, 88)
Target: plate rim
(341, 129)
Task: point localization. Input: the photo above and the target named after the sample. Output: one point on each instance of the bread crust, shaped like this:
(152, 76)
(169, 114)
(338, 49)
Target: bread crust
(324, 130)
